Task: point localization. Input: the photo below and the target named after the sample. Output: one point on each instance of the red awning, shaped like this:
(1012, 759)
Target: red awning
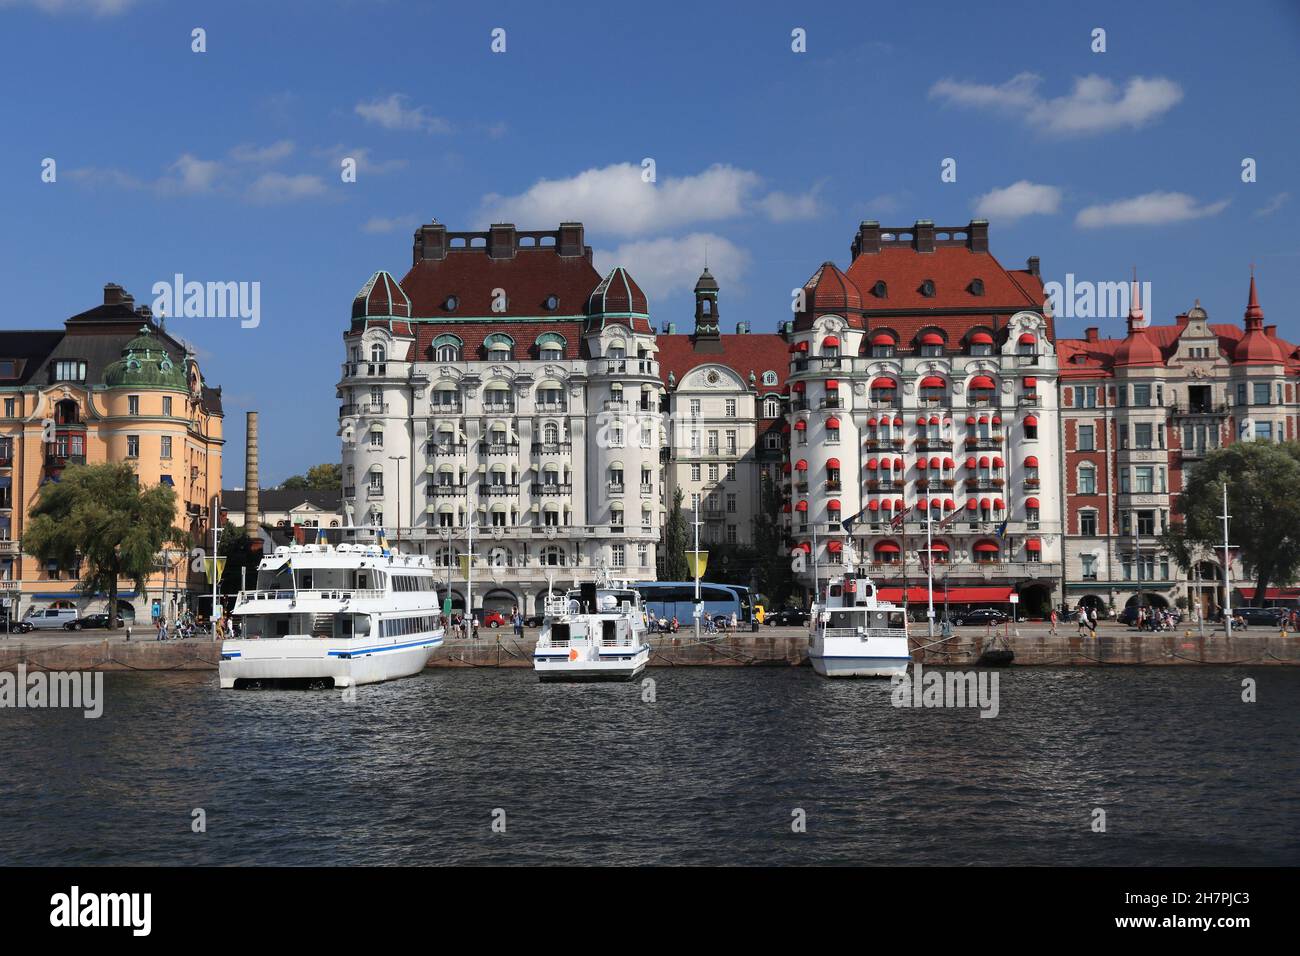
(1027, 338)
(887, 505)
(786, 508)
(801, 506)
(834, 547)
(986, 547)
(984, 461)
(871, 423)
(1031, 462)
(871, 464)
(998, 504)
(982, 381)
(932, 338)
(920, 464)
(884, 382)
(832, 423)
(882, 339)
(997, 462)
(981, 338)
(970, 462)
(920, 419)
(934, 419)
(1272, 594)
(1031, 382)
(949, 505)
(798, 386)
(986, 504)
(873, 506)
(898, 504)
(1031, 502)
(939, 546)
(987, 594)
(971, 504)
(832, 463)
(799, 347)
(833, 504)
(832, 385)
(801, 464)
(915, 595)
(898, 464)
(984, 419)
(831, 341)
(898, 422)
(997, 419)
(970, 419)
(805, 547)
(800, 425)
(1033, 544)
(1031, 420)
(922, 504)
(935, 462)
(949, 463)
(932, 381)
(887, 547)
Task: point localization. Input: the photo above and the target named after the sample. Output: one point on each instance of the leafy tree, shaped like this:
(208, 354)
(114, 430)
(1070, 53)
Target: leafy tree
(1265, 526)
(237, 548)
(323, 477)
(772, 557)
(673, 542)
(98, 516)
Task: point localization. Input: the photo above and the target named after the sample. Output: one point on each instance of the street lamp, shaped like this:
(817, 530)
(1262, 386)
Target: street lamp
(399, 459)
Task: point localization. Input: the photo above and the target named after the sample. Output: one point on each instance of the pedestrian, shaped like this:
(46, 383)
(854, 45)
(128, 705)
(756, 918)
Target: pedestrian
(128, 633)
(1052, 618)
(162, 629)
(1092, 620)
(1083, 619)
(735, 622)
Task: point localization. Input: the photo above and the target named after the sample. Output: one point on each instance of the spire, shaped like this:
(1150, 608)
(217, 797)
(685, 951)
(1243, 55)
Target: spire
(1254, 314)
(1136, 320)
(706, 311)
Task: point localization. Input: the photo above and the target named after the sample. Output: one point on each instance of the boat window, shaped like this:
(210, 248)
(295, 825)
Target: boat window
(896, 619)
(835, 590)
(844, 619)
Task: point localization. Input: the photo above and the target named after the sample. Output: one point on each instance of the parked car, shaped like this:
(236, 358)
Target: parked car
(91, 621)
(980, 615)
(1260, 616)
(533, 620)
(495, 619)
(51, 618)
(786, 616)
(17, 627)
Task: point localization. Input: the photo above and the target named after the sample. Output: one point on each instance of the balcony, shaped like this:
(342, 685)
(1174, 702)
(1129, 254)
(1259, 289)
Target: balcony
(547, 489)
(830, 403)
(832, 484)
(499, 491)
(8, 546)
(446, 491)
(614, 487)
(498, 448)
(618, 405)
(498, 407)
(1032, 483)
(445, 408)
(444, 449)
(984, 484)
(1029, 400)
(647, 491)
(346, 410)
(638, 366)
(373, 369)
(374, 408)
(551, 407)
(934, 444)
(373, 492)
(991, 443)
(552, 448)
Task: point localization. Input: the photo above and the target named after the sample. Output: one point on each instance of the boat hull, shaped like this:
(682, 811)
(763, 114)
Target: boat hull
(562, 668)
(311, 659)
(846, 666)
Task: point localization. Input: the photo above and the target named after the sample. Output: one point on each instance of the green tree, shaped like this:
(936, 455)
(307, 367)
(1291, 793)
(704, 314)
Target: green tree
(324, 477)
(100, 517)
(673, 543)
(237, 548)
(772, 558)
(1265, 525)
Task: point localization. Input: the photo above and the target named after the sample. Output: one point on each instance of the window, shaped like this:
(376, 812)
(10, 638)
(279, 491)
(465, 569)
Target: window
(1031, 427)
(11, 405)
(1123, 481)
(713, 472)
(731, 504)
(133, 404)
(1241, 393)
(1088, 565)
(769, 378)
(70, 371)
(731, 408)
(132, 446)
(695, 472)
(1264, 431)
(378, 353)
(1146, 523)
(616, 556)
(376, 438)
(731, 473)
(1087, 480)
(695, 408)
(550, 346)
(1141, 395)
(1085, 396)
(1261, 391)
(616, 435)
(167, 404)
(166, 449)
(732, 536)
(713, 442)
(1087, 441)
(643, 555)
(833, 432)
(377, 480)
(1088, 523)
(731, 441)
(1142, 435)
(1143, 479)
(500, 347)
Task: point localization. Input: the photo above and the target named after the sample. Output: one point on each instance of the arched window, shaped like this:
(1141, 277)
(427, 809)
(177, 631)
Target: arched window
(496, 395)
(553, 556)
(499, 346)
(771, 407)
(550, 394)
(378, 353)
(550, 347)
(551, 433)
(447, 348)
(769, 378)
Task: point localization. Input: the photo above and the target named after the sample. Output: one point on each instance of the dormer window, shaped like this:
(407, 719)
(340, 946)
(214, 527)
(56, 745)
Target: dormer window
(927, 288)
(976, 287)
(981, 343)
(931, 345)
(451, 302)
(447, 348)
(880, 290)
(552, 303)
(500, 347)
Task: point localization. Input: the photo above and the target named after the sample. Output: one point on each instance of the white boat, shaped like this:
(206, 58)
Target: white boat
(854, 634)
(595, 632)
(334, 616)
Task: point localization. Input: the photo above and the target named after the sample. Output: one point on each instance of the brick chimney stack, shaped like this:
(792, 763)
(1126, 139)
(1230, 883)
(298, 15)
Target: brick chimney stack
(867, 241)
(923, 235)
(570, 241)
(977, 236)
(501, 241)
(430, 242)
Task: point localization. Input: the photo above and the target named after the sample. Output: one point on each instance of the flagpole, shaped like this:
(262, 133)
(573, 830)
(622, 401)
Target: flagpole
(929, 575)
(1227, 567)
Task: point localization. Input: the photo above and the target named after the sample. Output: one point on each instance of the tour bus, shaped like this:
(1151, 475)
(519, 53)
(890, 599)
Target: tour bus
(669, 599)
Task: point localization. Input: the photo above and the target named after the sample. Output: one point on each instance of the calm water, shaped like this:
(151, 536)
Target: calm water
(411, 772)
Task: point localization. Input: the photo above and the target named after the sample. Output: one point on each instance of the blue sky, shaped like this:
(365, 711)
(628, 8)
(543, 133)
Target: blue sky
(224, 166)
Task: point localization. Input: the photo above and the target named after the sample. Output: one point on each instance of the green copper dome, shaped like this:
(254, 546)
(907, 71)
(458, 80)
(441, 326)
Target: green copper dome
(145, 364)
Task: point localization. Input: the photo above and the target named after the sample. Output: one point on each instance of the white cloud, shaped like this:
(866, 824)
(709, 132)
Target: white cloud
(279, 187)
(392, 112)
(1151, 209)
(1020, 199)
(614, 199)
(99, 8)
(785, 207)
(1274, 204)
(378, 225)
(365, 163)
(886, 204)
(189, 175)
(1095, 104)
(667, 265)
(260, 155)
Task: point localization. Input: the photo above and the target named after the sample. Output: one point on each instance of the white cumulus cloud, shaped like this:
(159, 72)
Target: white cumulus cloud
(1150, 209)
(259, 155)
(667, 265)
(391, 112)
(1096, 104)
(281, 187)
(1020, 199)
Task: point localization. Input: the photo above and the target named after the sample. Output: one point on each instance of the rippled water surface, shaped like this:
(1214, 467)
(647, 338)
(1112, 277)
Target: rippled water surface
(412, 771)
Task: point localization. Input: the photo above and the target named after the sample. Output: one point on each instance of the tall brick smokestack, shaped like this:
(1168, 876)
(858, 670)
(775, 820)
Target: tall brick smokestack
(252, 510)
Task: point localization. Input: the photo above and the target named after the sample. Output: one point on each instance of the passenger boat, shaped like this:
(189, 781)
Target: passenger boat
(324, 616)
(595, 632)
(854, 634)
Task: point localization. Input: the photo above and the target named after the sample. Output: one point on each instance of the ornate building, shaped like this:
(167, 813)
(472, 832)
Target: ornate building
(504, 390)
(923, 388)
(1136, 413)
(111, 385)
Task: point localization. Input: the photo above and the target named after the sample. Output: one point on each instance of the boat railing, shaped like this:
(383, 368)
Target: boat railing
(311, 594)
(864, 632)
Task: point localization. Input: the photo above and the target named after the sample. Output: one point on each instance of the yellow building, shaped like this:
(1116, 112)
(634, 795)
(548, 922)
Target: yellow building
(111, 386)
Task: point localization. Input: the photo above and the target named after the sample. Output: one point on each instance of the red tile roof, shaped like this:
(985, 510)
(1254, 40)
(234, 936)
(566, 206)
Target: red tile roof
(528, 279)
(1082, 358)
(754, 352)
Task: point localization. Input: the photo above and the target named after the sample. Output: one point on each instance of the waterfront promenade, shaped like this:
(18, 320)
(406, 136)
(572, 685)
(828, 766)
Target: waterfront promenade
(1113, 645)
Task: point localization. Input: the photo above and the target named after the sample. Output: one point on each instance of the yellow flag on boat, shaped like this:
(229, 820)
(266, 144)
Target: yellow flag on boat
(207, 568)
(697, 561)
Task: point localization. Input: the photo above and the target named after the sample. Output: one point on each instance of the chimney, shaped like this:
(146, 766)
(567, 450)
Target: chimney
(570, 239)
(501, 241)
(670, 328)
(1181, 319)
(1270, 331)
(923, 235)
(252, 507)
(1091, 335)
(867, 241)
(742, 328)
(114, 294)
(977, 236)
(1032, 263)
(430, 242)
